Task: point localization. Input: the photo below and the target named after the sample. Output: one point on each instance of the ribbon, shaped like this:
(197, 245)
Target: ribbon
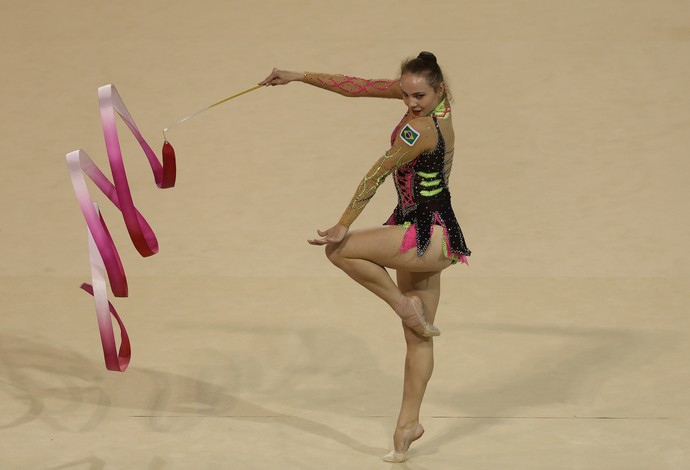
(104, 257)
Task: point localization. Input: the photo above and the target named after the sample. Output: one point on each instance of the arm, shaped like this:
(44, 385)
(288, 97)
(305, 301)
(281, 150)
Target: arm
(354, 86)
(414, 139)
(341, 84)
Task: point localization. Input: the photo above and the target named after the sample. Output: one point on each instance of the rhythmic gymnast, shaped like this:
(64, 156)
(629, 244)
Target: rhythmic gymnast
(421, 238)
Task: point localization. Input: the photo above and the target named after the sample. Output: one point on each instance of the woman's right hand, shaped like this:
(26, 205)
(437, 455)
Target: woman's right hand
(281, 77)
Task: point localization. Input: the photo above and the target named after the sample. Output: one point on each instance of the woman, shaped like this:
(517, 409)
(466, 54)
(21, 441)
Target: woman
(420, 158)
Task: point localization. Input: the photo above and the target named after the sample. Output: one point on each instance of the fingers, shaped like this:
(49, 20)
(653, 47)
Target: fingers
(274, 78)
(268, 79)
(333, 236)
(319, 241)
(325, 240)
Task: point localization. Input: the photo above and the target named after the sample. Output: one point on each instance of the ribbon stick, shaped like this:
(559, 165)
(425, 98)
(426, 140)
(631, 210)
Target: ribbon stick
(206, 109)
(103, 254)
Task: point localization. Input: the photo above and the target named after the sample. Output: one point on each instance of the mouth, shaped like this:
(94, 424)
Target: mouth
(416, 112)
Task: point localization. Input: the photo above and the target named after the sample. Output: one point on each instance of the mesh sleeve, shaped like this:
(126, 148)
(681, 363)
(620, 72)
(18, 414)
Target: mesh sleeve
(354, 86)
(408, 145)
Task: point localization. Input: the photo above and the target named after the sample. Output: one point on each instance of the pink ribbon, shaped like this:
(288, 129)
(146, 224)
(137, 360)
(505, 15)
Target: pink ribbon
(105, 260)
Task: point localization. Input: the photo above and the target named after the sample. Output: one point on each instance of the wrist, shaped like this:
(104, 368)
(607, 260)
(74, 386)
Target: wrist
(300, 77)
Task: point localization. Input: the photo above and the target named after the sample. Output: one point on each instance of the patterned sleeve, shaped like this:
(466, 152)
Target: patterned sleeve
(353, 86)
(415, 138)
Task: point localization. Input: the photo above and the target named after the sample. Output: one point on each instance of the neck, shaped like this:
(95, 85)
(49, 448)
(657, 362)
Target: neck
(442, 109)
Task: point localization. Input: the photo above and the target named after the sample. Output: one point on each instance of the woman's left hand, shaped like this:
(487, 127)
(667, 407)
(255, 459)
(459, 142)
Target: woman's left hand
(332, 236)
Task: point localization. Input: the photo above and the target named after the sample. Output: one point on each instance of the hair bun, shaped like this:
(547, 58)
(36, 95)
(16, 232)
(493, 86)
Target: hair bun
(427, 56)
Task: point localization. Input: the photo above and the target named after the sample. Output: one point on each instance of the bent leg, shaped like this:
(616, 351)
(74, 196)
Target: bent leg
(364, 255)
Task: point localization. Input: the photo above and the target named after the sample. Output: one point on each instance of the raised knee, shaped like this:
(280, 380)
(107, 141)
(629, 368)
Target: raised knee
(333, 255)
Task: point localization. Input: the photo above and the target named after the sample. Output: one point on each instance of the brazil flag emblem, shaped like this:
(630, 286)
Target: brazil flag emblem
(409, 135)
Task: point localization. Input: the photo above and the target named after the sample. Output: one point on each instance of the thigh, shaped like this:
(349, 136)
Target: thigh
(381, 245)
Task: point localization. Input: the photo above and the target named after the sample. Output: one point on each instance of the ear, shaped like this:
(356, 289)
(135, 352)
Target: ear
(442, 88)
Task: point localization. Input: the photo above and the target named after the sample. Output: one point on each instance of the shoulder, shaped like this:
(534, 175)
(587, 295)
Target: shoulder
(419, 131)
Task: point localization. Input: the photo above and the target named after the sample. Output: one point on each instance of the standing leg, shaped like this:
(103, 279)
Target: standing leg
(419, 361)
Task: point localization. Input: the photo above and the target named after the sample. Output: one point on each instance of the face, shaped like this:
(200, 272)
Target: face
(420, 98)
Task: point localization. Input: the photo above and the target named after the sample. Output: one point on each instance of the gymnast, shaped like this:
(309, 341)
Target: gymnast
(422, 236)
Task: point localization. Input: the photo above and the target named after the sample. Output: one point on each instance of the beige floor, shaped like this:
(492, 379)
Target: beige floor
(565, 345)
